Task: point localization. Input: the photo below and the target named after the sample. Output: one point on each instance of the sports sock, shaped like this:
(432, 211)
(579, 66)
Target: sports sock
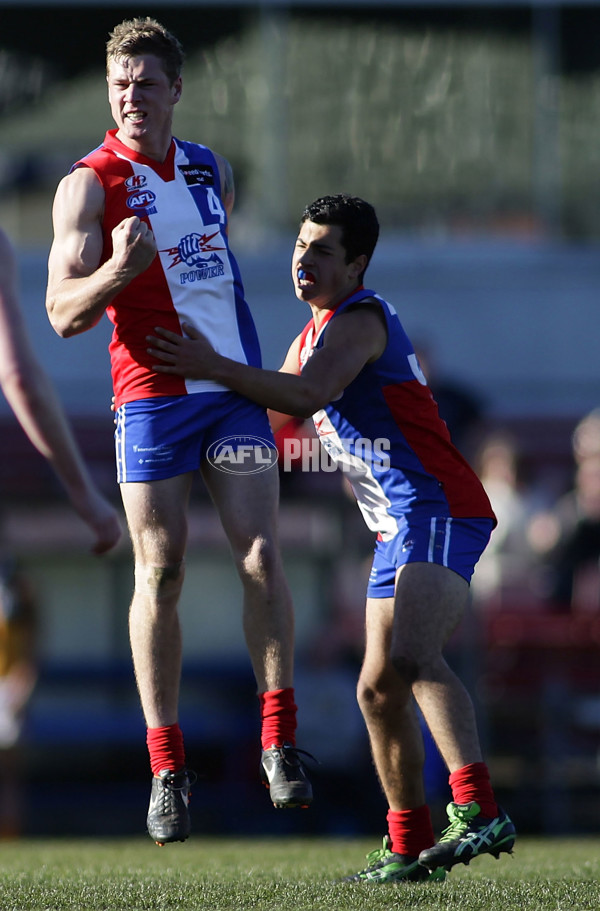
(278, 717)
(472, 782)
(410, 831)
(165, 746)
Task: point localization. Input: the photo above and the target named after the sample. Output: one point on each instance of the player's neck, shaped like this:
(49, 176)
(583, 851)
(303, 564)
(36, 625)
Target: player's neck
(323, 311)
(157, 150)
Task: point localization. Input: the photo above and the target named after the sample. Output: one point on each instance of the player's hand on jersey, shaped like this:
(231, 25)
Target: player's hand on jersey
(134, 246)
(191, 355)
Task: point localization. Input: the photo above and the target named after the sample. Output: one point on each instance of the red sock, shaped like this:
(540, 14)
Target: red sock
(278, 717)
(411, 831)
(166, 749)
(472, 782)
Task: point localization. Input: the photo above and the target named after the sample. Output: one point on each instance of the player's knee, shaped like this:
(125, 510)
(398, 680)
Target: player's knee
(407, 668)
(159, 581)
(368, 697)
(373, 696)
(258, 561)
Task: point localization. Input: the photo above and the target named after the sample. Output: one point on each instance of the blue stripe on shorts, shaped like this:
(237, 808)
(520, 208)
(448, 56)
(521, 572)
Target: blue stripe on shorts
(455, 543)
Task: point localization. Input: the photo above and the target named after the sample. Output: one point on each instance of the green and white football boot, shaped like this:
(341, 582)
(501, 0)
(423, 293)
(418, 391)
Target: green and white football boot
(385, 866)
(469, 835)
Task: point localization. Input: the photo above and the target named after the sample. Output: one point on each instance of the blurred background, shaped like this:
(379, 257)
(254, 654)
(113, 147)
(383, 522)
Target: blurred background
(474, 129)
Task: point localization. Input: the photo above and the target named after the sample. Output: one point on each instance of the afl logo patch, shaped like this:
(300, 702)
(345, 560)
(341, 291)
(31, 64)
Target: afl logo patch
(141, 200)
(136, 182)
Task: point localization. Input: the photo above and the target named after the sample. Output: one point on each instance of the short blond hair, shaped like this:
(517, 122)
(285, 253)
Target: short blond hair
(134, 37)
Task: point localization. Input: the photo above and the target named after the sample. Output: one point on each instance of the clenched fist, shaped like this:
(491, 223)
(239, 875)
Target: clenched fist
(134, 246)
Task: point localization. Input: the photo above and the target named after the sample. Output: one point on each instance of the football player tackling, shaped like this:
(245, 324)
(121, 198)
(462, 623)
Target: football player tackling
(354, 370)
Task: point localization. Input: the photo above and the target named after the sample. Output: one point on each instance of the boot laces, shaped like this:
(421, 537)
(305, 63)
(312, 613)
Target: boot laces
(460, 817)
(291, 755)
(374, 858)
(170, 789)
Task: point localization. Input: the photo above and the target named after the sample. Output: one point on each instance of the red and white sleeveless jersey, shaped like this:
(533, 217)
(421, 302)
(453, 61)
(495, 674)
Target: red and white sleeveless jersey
(194, 277)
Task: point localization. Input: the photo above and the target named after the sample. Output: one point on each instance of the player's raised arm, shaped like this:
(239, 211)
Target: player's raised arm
(79, 288)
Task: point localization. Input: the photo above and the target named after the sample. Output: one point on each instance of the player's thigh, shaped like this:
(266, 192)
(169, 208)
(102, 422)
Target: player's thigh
(157, 518)
(247, 503)
(379, 619)
(430, 601)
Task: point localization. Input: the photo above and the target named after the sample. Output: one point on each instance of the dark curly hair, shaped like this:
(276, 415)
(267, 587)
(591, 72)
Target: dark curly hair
(356, 218)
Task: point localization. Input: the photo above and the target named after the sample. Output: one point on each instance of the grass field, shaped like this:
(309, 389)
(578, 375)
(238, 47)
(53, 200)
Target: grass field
(283, 875)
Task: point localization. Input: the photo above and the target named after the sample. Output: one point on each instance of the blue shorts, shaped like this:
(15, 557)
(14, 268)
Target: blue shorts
(455, 543)
(162, 437)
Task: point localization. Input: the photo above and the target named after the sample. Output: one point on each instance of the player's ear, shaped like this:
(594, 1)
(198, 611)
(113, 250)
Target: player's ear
(359, 265)
(177, 89)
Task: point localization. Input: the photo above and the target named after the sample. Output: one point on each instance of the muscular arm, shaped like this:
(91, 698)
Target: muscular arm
(30, 394)
(79, 288)
(352, 340)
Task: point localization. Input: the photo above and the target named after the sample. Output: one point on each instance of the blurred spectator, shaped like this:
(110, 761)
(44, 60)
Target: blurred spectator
(568, 536)
(586, 437)
(505, 573)
(18, 675)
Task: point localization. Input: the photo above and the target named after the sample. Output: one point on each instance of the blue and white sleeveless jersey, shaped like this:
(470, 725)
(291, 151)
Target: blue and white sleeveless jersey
(386, 433)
